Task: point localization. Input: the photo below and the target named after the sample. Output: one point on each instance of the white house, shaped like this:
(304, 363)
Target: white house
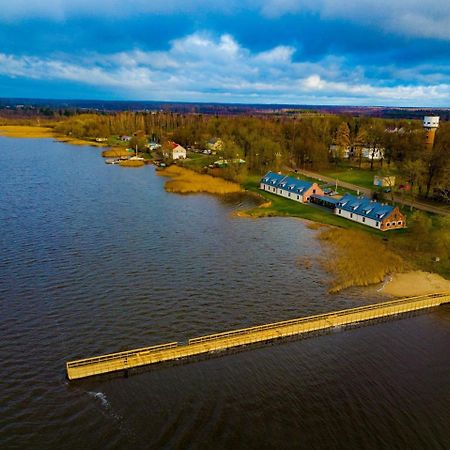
(174, 151)
(374, 153)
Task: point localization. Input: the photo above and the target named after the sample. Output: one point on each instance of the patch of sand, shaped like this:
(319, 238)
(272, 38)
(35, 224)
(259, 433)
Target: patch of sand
(410, 284)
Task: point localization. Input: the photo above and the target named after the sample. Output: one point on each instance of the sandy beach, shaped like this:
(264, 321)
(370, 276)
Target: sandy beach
(415, 283)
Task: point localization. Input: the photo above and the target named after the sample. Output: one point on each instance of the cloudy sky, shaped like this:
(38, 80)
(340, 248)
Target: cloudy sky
(364, 52)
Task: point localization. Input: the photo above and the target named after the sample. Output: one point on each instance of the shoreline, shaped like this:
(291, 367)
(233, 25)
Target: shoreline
(404, 281)
(38, 132)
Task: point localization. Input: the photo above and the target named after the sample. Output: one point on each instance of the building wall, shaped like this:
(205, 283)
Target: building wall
(394, 221)
(430, 134)
(358, 218)
(281, 192)
(178, 153)
(314, 189)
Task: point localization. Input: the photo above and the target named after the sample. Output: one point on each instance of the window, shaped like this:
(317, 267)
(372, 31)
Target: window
(399, 223)
(377, 224)
(340, 211)
(298, 197)
(314, 191)
(388, 224)
(364, 219)
(274, 189)
(289, 194)
(351, 216)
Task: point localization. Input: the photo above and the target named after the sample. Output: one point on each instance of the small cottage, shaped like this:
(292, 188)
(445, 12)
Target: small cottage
(174, 151)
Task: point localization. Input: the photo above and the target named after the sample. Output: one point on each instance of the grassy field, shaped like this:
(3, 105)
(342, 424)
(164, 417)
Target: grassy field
(116, 152)
(361, 177)
(20, 131)
(185, 181)
(34, 132)
(131, 163)
(197, 161)
(77, 141)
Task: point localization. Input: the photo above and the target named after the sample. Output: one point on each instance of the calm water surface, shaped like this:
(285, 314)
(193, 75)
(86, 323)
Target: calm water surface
(97, 258)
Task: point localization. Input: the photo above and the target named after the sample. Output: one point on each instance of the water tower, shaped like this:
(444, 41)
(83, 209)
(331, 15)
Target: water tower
(430, 124)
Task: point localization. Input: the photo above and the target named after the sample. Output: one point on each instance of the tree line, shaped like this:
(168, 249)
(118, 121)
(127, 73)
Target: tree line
(297, 140)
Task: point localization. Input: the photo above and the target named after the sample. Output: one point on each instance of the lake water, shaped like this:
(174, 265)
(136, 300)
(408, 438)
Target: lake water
(97, 259)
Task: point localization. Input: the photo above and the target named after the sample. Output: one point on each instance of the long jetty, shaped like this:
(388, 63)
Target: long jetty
(124, 361)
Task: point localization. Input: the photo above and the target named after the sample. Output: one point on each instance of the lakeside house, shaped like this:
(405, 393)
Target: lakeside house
(371, 213)
(289, 187)
(359, 209)
(174, 151)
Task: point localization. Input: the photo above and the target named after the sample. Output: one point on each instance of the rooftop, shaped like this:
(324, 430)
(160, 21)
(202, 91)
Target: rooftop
(363, 206)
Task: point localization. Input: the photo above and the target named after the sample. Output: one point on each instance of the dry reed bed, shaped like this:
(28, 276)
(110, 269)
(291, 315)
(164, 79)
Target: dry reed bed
(22, 131)
(185, 181)
(115, 152)
(77, 141)
(36, 132)
(357, 258)
(131, 163)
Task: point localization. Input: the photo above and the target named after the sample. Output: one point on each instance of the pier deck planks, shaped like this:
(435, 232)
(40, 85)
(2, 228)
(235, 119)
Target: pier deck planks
(263, 333)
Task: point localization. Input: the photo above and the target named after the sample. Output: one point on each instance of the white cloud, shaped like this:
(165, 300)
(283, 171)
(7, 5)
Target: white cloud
(200, 67)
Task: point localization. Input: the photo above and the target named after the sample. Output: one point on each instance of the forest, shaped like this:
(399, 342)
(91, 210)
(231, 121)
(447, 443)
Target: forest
(299, 141)
(274, 142)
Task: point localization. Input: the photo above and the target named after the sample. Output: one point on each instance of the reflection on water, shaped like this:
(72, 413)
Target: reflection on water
(97, 258)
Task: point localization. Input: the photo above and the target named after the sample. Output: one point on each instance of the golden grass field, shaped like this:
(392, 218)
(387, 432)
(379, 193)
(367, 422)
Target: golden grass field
(185, 181)
(115, 152)
(27, 131)
(76, 141)
(357, 258)
(21, 131)
(131, 163)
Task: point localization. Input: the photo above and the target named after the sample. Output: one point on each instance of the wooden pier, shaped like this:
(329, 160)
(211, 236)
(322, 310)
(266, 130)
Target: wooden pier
(123, 361)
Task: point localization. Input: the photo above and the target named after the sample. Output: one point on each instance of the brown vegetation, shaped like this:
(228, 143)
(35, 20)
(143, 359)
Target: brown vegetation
(357, 258)
(185, 181)
(77, 141)
(131, 163)
(115, 152)
(19, 131)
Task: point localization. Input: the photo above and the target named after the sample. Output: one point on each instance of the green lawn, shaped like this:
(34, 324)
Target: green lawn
(196, 161)
(361, 177)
